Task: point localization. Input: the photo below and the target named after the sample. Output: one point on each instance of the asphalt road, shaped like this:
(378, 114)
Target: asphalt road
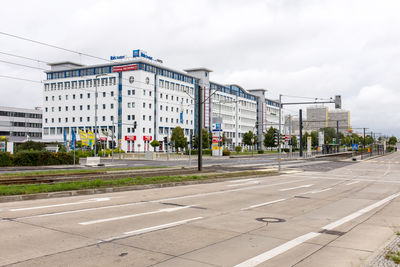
(337, 215)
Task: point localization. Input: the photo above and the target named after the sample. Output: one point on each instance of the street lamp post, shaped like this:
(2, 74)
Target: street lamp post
(95, 112)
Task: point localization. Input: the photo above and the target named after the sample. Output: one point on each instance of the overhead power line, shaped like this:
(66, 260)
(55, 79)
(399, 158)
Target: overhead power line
(21, 79)
(53, 46)
(22, 65)
(28, 58)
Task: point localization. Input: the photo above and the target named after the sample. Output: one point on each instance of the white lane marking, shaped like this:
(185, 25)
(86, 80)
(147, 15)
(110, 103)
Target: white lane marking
(64, 204)
(264, 204)
(387, 170)
(359, 213)
(133, 215)
(159, 200)
(242, 180)
(150, 229)
(301, 239)
(316, 191)
(297, 187)
(225, 191)
(81, 210)
(355, 182)
(247, 183)
(278, 250)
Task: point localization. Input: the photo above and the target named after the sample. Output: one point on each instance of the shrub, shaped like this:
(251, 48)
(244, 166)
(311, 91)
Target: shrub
(226, 153)
(238, 149)
(196, 152)
(6, 159)
(260, 151)
(40, 158)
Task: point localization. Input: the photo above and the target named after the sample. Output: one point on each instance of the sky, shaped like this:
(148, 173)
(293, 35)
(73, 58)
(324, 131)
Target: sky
(301, 48)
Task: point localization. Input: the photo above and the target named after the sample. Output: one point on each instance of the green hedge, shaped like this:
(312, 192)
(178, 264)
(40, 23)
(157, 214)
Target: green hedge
(196, 152)
(6, 159)
(36, 158)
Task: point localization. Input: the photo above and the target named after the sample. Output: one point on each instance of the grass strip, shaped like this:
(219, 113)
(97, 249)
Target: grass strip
(7, 190)
(61, 172)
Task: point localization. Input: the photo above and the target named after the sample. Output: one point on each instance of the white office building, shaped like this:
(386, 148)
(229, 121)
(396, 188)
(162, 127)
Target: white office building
(20, 124)
(140, 100)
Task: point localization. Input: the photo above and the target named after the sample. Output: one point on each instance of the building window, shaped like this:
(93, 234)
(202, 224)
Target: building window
(111, 118)
(149, 130)
(160, 119)
(129, 117)
(66, 119)
(47, 98)
(149, 93)
(112, 93)
(88, 95)
(160, 95)
(144, 92)
(150, 105)
(80, 107)
(144, 130)
(52, 98)
(112, 106)
(80, 119)
(73, 119)
(81, 96)
(59, 108)
(104, 94)
(144, 117)
(88, 107)
(46, 109)
(59, 97)
(73, 107)
(73, 96)
(144, 104)
(149, 118)
(66, 108)
(88, 119)
(59, 120)
(160, 107)
(104, 118)
(104, 106)
(45, 120)
(129, 92)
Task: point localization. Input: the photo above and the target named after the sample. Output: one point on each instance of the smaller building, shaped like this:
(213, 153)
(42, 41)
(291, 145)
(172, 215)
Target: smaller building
(20, 124)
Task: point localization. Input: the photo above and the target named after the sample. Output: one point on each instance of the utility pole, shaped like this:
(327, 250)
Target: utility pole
(279, 133)
(364, 138)
(199, 129)
(301, 132)
(337, 136)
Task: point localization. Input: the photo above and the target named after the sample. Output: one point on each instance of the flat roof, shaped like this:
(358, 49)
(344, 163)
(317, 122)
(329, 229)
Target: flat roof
(198, 69)
(65, 63)
(120, 63)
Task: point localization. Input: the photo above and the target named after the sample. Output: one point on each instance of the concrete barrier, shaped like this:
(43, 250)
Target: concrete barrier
(92, 161)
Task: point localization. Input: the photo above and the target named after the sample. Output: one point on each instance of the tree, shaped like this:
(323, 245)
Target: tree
(329, 134)
(294, 141)
(205, 140)
(155, 143)
(269, 140)
(247, 138)
(178, 138)
(369, 140)
(392, 141)
(32, 146)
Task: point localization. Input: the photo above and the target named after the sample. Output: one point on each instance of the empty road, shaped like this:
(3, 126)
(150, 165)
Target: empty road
(317, 217)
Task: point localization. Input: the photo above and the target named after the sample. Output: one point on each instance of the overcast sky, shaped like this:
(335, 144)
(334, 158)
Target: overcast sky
(292, 47)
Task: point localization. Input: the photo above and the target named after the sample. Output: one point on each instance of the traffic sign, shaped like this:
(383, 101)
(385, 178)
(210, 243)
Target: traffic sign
(216, 127)
(354, 146)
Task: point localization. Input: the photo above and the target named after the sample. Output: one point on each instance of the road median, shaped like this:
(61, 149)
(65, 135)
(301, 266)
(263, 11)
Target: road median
(85, 187)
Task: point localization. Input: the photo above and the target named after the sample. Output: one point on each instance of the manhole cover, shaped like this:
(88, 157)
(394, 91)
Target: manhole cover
(270, 220)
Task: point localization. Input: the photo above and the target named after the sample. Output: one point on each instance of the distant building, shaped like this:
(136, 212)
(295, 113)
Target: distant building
(20, 124)
(318, 117)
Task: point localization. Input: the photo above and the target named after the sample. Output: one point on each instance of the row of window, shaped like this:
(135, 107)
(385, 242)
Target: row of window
(66, 120)
(176, 121)
(79, 84)
(73, 108)
(176, 87)
(20, 114)
(12, 133)
(74, 96)
(25, 124)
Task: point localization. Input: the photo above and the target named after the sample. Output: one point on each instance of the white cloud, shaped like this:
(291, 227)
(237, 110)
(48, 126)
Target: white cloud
(315, 48)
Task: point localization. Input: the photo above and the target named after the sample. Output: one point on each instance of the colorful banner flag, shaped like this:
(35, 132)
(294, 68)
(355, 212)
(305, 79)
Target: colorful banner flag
(90, 137)
(73, 139)
(65, 139)
(83, 137)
